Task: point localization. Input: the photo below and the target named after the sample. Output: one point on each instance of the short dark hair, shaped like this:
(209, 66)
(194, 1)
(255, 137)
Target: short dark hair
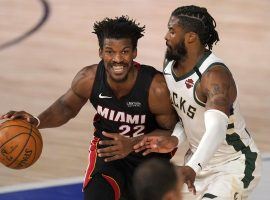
(118, 28)
(198, 20)
(154, 178)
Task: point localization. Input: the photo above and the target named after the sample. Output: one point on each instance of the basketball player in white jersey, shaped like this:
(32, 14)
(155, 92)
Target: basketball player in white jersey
(223, 161)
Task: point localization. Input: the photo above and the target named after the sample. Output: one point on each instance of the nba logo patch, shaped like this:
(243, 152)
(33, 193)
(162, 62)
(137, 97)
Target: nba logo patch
(189, 83)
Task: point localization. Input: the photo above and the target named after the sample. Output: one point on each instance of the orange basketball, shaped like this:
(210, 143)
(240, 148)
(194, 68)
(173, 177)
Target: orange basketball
(20, 144)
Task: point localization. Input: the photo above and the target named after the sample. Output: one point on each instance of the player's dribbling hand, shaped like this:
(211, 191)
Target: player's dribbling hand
(19, 115)
(188, 175)
(117, 148)
(157, 144)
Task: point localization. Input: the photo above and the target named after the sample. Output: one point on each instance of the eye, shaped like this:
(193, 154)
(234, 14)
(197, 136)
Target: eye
(125, 52)
(171, 32)
(108, 52)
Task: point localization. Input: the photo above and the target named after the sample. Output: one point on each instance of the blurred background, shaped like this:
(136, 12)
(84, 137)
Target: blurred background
(43, 44)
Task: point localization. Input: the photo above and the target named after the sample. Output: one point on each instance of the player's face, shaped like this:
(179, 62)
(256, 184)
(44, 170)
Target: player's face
(175, 41)
(118, 55)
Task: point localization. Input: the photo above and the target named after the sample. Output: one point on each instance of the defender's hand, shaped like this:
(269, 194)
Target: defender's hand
(158, 144)
(117, 148)
(20, 115)
(188, 175)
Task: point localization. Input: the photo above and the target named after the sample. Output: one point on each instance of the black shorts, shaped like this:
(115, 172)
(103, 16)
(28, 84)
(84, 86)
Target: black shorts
(117, 173)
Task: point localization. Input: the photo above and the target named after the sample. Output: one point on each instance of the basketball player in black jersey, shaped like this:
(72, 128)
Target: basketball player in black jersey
(131, 100)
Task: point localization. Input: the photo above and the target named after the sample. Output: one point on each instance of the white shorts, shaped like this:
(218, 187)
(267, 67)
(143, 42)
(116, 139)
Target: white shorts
(233, 180)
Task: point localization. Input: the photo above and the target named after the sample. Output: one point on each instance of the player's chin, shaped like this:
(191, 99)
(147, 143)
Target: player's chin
(119, 78)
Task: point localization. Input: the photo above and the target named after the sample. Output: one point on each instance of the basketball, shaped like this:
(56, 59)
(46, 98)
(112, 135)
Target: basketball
(20, 144)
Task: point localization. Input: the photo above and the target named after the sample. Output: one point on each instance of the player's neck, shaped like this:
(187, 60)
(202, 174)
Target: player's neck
(121, 89)
(186, 65)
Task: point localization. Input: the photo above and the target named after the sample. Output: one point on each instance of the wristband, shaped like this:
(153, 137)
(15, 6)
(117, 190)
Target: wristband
(37, 120)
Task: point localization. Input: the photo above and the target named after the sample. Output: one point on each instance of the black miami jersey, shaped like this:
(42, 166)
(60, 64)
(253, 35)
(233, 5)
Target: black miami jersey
(130, 115)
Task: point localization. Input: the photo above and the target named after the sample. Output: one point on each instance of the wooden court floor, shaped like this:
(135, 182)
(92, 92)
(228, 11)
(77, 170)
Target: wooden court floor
(42, 48)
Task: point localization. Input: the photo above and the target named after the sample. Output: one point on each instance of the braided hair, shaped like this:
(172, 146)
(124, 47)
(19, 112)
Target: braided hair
(118, 28)
(197, 19)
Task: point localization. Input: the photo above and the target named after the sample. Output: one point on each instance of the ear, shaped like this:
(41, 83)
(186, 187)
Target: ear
(134, 54)
(191, 37)
(100, 53)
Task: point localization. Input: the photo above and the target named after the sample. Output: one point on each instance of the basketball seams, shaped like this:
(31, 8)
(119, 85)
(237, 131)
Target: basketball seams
(24, 139)
(35, 159)
(13, 138)
(35, 144)
(29, 134)
(23, 127)
(35, 153)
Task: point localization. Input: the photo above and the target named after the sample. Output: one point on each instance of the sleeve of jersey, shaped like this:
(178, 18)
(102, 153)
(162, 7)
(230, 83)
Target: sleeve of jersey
(216, 123)
(179, 132)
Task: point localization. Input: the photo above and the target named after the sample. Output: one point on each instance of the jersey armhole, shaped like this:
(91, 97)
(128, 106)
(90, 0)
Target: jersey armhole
(95, 85)
(197, 100)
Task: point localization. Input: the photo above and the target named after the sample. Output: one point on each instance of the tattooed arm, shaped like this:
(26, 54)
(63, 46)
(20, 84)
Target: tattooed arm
(67, 106)
(219, 89)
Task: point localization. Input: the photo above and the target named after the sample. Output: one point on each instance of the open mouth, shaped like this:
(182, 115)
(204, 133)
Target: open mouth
(118, 69)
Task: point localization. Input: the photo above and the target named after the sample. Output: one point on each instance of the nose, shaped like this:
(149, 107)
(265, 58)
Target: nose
(118, 58)
(166, 37)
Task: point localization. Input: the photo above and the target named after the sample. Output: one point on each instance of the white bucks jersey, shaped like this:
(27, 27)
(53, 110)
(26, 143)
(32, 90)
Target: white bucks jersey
(191, 110)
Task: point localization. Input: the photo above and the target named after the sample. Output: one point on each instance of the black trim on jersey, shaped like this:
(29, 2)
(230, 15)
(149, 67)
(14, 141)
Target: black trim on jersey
(199, 63)
(165, 63)
(96, 83)
(209, 196)
(165, 66)
(198, 72)
(194, 95)
(230, 126)
(231, 110)
(205, 55)
(235, 140)
(216, 63)
(238, 145)
(248, 133)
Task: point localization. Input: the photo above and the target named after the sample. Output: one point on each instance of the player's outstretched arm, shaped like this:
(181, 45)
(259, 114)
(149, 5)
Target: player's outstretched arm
(64, 108)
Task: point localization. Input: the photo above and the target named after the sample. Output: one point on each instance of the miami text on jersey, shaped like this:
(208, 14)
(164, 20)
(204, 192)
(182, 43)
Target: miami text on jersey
(118, 116)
